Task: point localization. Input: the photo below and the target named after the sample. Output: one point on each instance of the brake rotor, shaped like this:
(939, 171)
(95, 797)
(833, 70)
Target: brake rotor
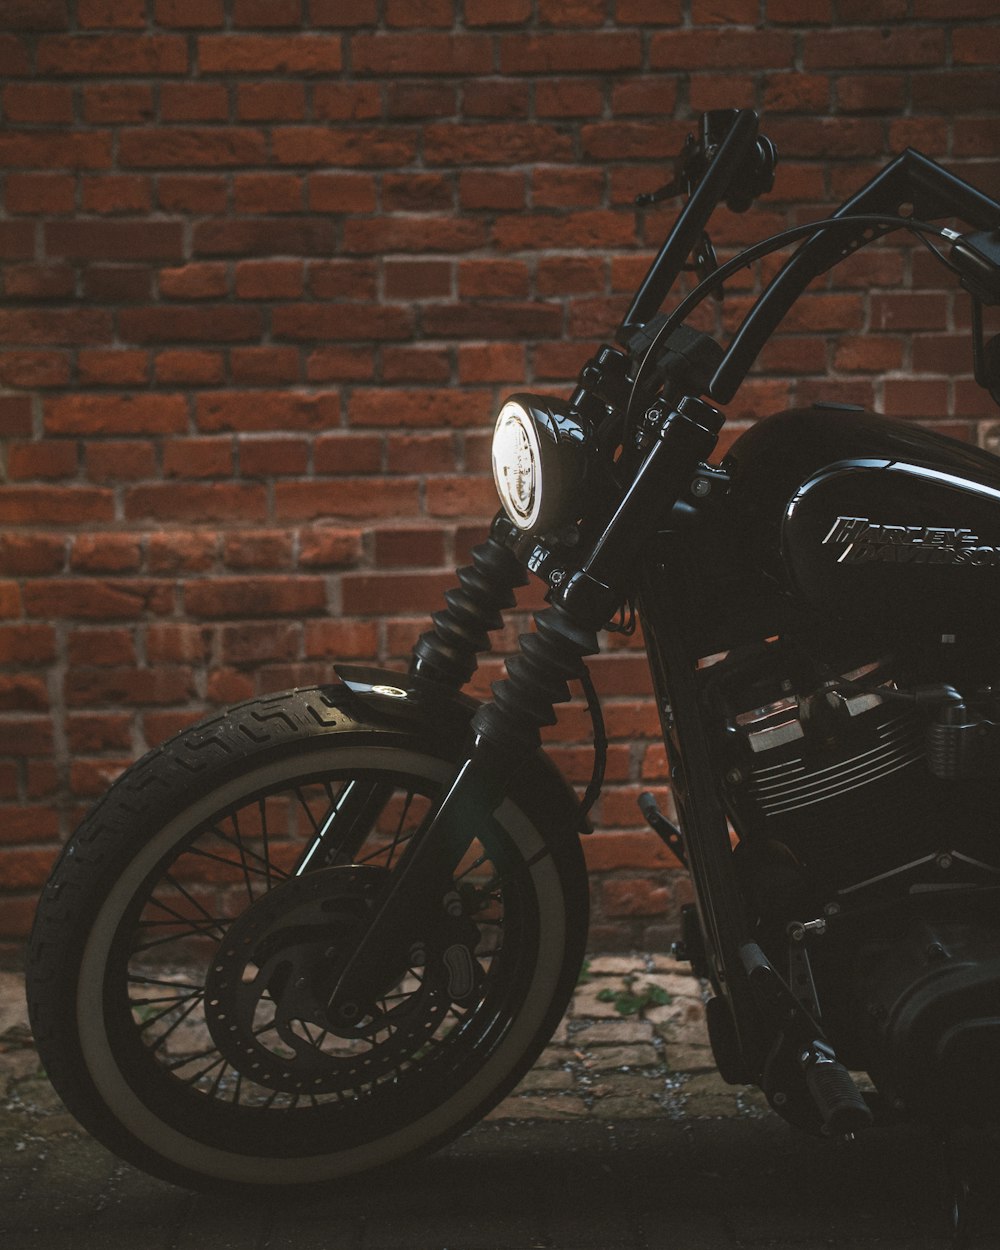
(267, 989)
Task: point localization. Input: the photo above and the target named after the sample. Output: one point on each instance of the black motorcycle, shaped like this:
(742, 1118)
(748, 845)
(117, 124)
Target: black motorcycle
(329, 928)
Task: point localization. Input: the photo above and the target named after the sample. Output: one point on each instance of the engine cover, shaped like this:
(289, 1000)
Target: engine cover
(922, 1011)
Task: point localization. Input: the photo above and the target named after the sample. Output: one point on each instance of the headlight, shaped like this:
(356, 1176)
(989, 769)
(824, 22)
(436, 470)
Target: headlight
(540, 454)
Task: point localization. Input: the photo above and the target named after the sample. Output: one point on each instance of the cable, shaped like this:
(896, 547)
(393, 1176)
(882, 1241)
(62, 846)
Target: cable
(756, 252)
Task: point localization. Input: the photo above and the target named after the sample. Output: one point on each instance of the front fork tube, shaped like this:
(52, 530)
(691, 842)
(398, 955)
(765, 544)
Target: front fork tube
(345, 827)
(422, 882)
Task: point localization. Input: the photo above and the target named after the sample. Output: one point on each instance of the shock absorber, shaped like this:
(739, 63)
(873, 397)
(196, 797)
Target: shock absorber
(537, 679)
(447, 653)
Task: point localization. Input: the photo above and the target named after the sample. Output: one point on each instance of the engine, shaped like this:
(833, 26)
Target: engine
(873, 882)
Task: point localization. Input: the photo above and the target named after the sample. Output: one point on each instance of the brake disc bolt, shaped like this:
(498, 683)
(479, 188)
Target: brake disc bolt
(453, 904)
(418, 956)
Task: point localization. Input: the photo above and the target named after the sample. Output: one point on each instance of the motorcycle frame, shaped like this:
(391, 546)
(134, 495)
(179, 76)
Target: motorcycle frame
(586, 594)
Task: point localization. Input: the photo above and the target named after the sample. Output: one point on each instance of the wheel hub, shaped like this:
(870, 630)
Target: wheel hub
(267, 989)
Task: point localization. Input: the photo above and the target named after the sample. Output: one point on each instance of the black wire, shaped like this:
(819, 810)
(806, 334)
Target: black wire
(756, 252)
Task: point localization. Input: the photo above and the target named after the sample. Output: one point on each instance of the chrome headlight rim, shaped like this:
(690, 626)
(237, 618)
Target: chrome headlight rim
(510, 470)
(541, 453)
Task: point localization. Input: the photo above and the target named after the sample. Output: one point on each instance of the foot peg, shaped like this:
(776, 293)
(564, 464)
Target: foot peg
(831, 1087)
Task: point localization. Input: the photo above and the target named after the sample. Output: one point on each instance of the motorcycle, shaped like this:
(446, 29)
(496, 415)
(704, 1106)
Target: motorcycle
(330, 928)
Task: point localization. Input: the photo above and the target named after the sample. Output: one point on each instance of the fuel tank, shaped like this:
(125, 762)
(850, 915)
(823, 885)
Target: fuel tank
(869, 520)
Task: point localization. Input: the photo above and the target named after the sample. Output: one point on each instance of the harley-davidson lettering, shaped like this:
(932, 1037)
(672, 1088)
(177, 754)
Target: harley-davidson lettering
(868, 542)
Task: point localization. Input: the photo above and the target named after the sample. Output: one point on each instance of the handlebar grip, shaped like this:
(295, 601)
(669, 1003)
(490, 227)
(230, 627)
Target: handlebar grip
(837, 1098)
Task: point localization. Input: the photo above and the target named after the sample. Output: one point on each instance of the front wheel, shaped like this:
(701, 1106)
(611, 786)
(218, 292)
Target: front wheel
(187, 946)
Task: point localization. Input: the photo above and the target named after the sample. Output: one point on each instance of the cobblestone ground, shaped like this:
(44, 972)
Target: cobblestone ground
(632, 1045)
(622, 1138)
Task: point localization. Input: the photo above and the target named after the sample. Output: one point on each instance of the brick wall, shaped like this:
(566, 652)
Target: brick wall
(269, 267)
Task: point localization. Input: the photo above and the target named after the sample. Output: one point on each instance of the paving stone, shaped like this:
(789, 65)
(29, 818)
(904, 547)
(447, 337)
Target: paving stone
(539, 1107)
(553, 1078)
(622, 1056)
(625, 1031)
(619, 965)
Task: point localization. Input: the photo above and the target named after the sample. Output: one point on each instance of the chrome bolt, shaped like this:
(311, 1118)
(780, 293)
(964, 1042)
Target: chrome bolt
(701, 487)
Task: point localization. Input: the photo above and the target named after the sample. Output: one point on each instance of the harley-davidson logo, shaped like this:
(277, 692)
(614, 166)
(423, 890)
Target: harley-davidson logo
(868, 542)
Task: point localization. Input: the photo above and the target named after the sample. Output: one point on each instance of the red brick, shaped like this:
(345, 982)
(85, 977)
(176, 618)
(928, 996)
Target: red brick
(257, 365)
(37, 102)
(495, 98)
(117, 284)
(341, 364)
(268, 193)
(340, 639)
(589, 229)
(117, 193)
(379, 593)
(192, 193)
(272, 457)
(341, 193)
(38, 149)
(497, 12)
(265, 236)
(32, 553)
(347, 101)
(47, 458)
(198, 457)
(188, 644)
(118, 102)
(419, 13)
(100, 646)
(493, 320)
(27, 643)
(191, 145)
(422, 54)
(420, 407)
(271, 101)
(554, 188)
(112, 14)
(410, 101)
(415, 364)
(189, 367)
(39, 282)
(105, 553)
(892, 46)
(374, 497)
(266, 410)
(417, 279)
(86, 598)
(172, 501)
(177, 551)
(257, 549)
(409, 547)
(216, 323)
(267, 12)
(421, 453)
(116, 414)
(129, 685)
(99, 732)
(116, 55)
(350, 322)
(344, 453)
(23, 692)
(256, 596)
(29, 824)
(493, 278)
(194, 102)
(51, 505)
(491, 362)
(25, 869)
(34, 370)
(270, 54)
(14, 59)
(120, 461)
(198, 280)
(40, 193)
(125, 240)
(500, 143)
(569, 98)
(269, 279)
(491, 190)
(333, 146)
(324, 547)
(572, 53)
(189, 13)
(251, 644)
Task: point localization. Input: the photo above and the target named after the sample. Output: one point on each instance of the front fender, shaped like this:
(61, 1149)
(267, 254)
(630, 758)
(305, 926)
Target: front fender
(390, 698)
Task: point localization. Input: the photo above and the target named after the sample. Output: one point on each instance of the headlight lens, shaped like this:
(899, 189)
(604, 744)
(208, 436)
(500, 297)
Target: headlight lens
(517, 465)
(540, 457)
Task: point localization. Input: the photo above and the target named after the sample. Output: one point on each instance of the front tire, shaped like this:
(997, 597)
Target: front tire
(181, 954)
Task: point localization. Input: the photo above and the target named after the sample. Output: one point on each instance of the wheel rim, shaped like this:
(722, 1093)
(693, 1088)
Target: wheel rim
(395, 1073)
